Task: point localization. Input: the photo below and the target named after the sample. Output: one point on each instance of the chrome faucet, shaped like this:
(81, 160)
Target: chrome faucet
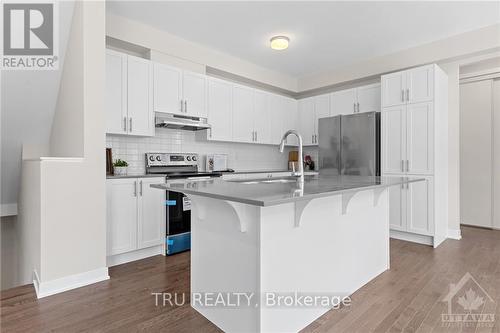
(300, 173)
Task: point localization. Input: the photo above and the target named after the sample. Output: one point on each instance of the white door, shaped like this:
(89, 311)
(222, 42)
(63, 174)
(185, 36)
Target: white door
(369, 98)
(140, 97)
(167, 89)
(419, 139)
(151, 212)
(321, 110)
(476, 173)
(116, 92)
(276, 109)
(121, 215)
(343, 102)
(243, 114)
(393, 89)
(397, 205)
(291, 120)
(220, 113)
(420, 84)
(419, 207)
(306, 119)
(194, 92)
(261, 121)
(393, 152)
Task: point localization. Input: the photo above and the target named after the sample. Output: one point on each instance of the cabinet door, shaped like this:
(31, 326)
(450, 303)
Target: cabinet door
(116, 92)
(419, 138)
(369, 98)
(343, 102)
(420, 84)
(306, 120)
(276, 108)
(291, 120)
(167, 89)
(151, 211)
(242, 114)
(321, 110)
(419, 214)
(140, 97)
(397, 207)
(393, 87)
(121, 215)
(393, 139)
(194, 92)
(220, 110)
(261, 120)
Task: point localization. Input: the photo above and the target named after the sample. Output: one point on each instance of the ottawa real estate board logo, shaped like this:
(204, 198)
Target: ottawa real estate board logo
(29, 36)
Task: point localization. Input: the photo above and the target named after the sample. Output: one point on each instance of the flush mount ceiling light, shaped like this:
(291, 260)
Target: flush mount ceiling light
(279, 42)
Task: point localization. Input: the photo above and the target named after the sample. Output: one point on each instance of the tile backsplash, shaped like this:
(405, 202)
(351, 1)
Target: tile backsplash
(241, 156)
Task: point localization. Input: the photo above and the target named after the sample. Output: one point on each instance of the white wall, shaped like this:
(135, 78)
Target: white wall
(241, 156)
(163, 42)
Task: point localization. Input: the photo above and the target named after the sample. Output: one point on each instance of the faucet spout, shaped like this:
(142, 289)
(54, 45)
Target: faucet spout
(300, 172)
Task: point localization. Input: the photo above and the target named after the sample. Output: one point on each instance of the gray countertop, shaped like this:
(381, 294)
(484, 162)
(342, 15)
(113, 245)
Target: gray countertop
(266, 193)
(236, 172)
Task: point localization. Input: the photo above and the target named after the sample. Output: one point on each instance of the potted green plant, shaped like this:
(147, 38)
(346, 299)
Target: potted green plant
(120, 167)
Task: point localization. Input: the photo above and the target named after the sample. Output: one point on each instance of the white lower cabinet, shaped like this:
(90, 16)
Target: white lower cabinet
(411, 207)
(135, 218)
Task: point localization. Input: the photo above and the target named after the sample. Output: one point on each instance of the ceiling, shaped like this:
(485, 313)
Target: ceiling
(324, 35)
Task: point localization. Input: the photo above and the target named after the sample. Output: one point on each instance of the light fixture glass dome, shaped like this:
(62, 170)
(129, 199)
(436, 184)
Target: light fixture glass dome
(279, 42)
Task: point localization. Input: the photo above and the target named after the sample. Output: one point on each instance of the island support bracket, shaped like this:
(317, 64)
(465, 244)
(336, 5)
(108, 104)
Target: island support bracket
(243, 212)
(299, 209)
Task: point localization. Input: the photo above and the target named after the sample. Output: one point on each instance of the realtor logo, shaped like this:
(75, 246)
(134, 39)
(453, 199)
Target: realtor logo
(468, 305)
(29, 35)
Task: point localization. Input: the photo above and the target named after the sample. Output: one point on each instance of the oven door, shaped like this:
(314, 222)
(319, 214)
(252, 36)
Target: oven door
(178, 217)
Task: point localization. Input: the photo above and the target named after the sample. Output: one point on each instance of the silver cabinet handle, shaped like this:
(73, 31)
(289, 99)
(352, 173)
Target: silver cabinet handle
(407, 165)
(402, 95)
(125, 124)
(402, 165)
(407, 95)
(182, 106)
(315, 138)
(312, 138)
(135, 188)
(358, 106)
(130, 127)
(140, 192)
(354, 106)
(185, 106)
(256, 136)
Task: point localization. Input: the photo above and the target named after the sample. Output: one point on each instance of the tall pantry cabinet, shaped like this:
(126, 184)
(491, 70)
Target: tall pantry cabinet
(415, 144)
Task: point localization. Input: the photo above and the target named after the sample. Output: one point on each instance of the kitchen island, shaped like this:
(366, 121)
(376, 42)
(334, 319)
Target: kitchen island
(276, 239)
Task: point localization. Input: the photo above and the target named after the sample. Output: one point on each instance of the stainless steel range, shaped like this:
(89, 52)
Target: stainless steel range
(178, 206)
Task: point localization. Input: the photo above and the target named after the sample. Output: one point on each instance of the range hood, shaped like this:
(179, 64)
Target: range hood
(168, 120)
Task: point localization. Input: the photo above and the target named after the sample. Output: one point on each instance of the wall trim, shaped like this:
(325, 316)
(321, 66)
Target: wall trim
(410, 237)
(455, 234)
(8, 209)
(56, 286)
(123, 258)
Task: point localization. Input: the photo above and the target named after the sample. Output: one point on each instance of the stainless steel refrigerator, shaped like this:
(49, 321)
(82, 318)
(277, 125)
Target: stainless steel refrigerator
(350, 144)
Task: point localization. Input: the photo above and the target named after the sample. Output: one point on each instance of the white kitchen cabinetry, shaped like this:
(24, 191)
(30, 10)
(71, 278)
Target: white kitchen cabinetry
(129, 97)
(411, 86)
(220, 110)
(362, 99)
(415, 144)
(135, 219)
(243, 102)
(306, 120)
(179, 92)
(277, 113)
(291, 120)
(262, 117)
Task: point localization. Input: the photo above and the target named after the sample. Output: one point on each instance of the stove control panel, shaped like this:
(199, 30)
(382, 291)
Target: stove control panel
(169, 159)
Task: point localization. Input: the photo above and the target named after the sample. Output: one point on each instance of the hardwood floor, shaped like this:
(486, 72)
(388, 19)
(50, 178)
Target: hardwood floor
(407, 298)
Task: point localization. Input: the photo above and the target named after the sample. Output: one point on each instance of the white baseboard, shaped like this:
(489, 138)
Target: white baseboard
(409, 237)
(455, 234)
(52, 287)
(8, 209)
(123, 258)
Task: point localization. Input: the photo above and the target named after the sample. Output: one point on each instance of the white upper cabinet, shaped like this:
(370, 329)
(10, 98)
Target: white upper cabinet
(420, 138)
(277, 109)
(129, 95)
(291, 121)
(368, 98)
(243, 114)
(414, 85)
(140, 96)
(393, 134)
(220, 110)
(343, 102)
(321, 109)
(116, 92)
(194, 91)
(167, 89)
(261, 119)
(179, 92)
(306, 120)
(420, 84)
